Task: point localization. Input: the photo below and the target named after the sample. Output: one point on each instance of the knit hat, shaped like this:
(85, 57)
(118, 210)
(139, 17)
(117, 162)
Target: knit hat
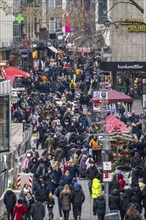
(9, 186)
(50, 194)
(76, 185)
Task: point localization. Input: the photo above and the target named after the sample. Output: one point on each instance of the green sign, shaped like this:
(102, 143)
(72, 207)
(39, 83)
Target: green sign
(19, 18)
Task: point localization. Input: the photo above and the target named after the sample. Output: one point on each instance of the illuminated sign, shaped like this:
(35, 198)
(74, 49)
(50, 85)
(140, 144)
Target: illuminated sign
(134, 24)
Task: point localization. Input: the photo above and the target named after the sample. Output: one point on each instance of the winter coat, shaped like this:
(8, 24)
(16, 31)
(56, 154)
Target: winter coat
(66, 179)
(100, 205)
(82, 165)
(9, 199)
(19, 211)
(42, 193)
(59, 189)
(124, 202)
(50, 202)
(114, 201)
(78, 196)
(135, 176)
(38, 211)
(114, 184)
(96, 188)
(73, 170)
(66, 201)
(92, 172)
(28, 203)
(57, 174)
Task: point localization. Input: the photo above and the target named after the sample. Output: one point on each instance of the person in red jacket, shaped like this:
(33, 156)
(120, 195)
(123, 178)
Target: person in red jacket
(121, 180)
(19, 211)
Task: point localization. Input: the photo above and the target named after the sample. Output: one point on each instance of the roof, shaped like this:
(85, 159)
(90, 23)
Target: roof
(115, 125)
(114, 96)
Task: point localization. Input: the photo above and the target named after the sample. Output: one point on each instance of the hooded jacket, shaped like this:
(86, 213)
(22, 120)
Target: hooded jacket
(96, 188)
(78, 196)
(38, 211)
(100, 205)
(19, 211)
(9, 199)
(114, 201)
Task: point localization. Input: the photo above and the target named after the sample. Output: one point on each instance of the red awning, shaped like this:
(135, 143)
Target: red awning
(115, 125)
(12, 72)
(114, 96)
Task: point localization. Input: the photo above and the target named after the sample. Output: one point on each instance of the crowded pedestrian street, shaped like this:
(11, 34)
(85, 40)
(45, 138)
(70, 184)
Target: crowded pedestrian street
(73, 110)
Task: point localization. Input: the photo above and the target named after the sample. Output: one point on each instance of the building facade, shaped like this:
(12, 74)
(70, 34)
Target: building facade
(126, 36)
(6, 30)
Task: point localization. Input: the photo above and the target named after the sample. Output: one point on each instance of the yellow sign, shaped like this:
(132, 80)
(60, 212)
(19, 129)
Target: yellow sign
(130, 21)
(134, 24)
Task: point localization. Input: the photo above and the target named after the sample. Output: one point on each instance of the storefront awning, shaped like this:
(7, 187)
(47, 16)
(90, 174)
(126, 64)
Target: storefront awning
(53, 49)
(12, 72)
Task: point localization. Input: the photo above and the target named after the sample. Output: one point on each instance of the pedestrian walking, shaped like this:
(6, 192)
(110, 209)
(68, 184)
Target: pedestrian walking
(9, 201)
(57, 193)
(28, 201)
(20, 211)
(132, 213)
(96, 191)
(38, 210)
(100, 207)
(66, 198)
(50, 204)
(78, 198)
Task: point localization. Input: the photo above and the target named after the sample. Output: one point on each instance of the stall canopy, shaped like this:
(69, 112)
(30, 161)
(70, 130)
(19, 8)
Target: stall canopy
(12, 72)
(114, 96)
(115, 125)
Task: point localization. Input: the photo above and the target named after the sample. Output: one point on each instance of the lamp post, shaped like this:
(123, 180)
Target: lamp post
(105, 140)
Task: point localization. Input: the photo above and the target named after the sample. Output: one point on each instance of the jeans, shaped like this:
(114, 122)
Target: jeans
(97, 156)
(66, 215)
(100, 216)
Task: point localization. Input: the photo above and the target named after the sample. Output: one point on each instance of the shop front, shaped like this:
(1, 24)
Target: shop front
(126, 76)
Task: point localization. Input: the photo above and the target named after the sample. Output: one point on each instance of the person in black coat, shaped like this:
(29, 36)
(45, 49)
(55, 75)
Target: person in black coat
(100, 207)
(9, 201)
(78, 197)
(91, 173)
(114, 200)
(125, 199)
(114, 184)
(57, 193)
(38, 210)
(134, 200)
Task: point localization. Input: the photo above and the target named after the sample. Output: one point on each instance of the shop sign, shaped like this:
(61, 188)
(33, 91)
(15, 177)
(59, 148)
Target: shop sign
(107, 166)
(134, 24)
(123, 66)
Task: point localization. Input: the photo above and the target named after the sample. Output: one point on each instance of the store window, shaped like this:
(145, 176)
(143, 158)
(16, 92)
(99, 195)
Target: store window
(4, 123)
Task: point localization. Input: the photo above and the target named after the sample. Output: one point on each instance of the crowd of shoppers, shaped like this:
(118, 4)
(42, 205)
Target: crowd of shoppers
(56, 103)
